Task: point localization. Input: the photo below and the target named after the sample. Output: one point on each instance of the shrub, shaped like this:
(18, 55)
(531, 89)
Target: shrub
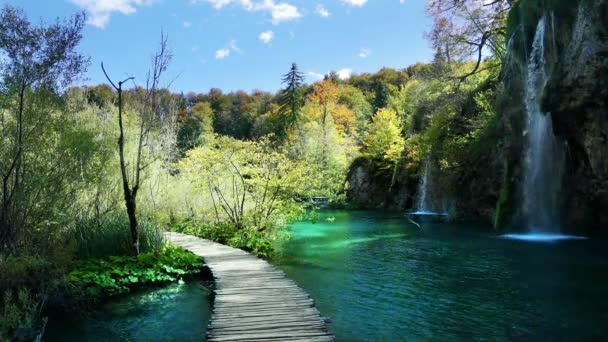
(258, 242)
(25, 283)
(122, 274)
(220, 233)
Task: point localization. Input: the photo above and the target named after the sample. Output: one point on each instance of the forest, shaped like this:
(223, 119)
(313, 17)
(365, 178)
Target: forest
(92, 176)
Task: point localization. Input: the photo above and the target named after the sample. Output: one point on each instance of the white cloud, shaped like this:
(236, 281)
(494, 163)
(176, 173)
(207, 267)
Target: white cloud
(186, 24)
(217, 4)
(317, 76)
(234, 47)
(357, 3)
(267, 36)
(345, 73)
(100, 11)
(401, 1)
(364, 53)
(222, 53)
(322, 11)
(279, 12)
(225, 52)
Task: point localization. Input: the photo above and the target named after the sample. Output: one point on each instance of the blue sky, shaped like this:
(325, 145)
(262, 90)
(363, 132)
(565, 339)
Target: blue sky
(245, 44)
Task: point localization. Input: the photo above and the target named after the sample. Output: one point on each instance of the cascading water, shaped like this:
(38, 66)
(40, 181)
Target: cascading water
(426, 203)
(544, 156)
(422, 205)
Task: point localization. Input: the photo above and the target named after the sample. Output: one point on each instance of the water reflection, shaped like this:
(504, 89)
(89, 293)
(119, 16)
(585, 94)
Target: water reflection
(178, 312)
(378, 277)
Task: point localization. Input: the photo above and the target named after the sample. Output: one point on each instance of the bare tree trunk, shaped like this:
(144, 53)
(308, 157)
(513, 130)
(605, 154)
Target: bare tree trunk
(160, 62)
(130, 195)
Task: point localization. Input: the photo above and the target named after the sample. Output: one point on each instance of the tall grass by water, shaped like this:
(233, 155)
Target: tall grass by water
(110, 235)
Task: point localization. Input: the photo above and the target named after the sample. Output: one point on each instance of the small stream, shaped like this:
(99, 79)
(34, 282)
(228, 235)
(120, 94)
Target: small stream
(379, 278)
(179, 312)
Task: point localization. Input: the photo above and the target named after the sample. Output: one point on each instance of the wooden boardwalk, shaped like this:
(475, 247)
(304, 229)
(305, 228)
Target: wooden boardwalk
(253, 300)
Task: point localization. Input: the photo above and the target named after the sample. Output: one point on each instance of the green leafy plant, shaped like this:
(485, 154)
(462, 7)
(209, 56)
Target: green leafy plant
(122, 274)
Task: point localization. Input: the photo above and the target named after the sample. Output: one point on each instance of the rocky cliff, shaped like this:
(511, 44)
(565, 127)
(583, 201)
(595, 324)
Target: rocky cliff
(370, 188)
(575, 96)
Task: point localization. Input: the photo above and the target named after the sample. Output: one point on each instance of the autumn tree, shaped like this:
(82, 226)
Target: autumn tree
(325, 94)
(151, 117)
(345, 120)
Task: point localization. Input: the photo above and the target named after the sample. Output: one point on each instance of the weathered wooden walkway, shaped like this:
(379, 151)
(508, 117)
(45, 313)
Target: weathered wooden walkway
(253, 300)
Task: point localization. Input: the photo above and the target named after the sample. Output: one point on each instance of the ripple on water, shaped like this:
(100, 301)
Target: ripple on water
(542, 237)
(378, 278)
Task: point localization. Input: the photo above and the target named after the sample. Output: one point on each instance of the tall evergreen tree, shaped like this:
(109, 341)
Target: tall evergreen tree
(381, 95)
(292, 99)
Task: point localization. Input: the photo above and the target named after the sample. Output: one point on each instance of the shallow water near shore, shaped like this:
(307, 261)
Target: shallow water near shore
(178, 312)
(378, 277)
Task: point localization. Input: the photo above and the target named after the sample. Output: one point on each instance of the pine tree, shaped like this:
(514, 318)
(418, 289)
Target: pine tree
(381, 95)
(292, 99)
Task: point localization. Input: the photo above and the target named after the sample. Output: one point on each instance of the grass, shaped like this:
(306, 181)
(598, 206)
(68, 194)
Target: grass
(111, 237)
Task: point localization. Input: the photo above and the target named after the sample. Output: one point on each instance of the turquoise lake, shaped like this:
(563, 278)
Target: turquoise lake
(378, 277)
(179, 312)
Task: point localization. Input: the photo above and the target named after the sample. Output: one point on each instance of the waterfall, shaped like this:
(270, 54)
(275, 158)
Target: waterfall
(543, 156)
(422, 205)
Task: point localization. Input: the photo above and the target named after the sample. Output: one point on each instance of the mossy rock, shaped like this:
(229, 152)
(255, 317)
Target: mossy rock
(506, 206)
(525, 15)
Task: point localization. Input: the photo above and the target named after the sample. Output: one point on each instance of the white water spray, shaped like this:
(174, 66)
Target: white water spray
(544, 156)
(422, 206)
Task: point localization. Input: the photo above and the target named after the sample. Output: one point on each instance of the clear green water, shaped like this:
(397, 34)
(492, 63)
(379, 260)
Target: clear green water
(377, 277)
(174, 313)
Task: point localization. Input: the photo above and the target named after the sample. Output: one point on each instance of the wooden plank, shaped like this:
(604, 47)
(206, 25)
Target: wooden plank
(253, 300)
(261, 320)
(265, 336)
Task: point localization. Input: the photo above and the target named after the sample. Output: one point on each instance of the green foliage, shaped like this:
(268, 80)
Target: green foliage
(20, 315)
(25, 284)
(39, 163)
(354, 99)
(122, 274)
(261, 243)
(381, 96)
(291, 100)
(196, 127)
(250, 183)
(385, 142)
(221, 233)
(110, 235)
(254, 241)
(100, 95)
